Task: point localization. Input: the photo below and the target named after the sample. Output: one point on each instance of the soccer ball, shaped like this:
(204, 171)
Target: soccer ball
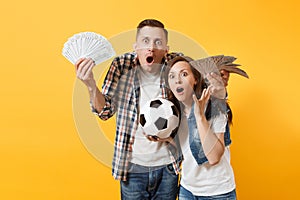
(159, 118)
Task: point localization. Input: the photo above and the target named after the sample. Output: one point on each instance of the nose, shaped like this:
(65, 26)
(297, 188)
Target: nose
(178, 80)
(151, 46)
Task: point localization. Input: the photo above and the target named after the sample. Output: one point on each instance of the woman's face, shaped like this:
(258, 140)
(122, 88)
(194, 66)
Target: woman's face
(182, 81)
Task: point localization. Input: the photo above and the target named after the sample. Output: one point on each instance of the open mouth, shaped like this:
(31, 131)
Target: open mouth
(179, 89)
(149, 59)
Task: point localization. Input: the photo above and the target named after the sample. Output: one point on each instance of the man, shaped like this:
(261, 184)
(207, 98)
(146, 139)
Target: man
(147, 168)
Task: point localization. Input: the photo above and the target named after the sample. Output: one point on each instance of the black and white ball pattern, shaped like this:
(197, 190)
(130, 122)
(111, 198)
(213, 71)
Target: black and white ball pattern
(159, 117)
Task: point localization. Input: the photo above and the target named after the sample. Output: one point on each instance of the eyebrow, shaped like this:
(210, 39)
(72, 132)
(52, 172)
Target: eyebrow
(144, 37)
(148, 37)
(172, 72)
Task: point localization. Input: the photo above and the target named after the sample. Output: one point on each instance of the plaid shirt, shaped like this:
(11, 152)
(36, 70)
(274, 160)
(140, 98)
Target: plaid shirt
(122, 92)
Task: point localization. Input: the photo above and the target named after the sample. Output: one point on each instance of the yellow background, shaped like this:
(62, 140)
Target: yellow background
(41, 154)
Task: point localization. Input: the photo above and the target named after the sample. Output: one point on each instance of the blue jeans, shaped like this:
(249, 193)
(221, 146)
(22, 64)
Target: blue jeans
(184, 194)
(160, 183)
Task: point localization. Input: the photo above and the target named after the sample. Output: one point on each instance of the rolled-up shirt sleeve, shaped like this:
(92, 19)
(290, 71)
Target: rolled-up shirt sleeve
(107, 111)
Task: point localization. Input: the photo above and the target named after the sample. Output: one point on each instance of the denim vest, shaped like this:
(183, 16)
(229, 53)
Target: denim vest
(194, 138)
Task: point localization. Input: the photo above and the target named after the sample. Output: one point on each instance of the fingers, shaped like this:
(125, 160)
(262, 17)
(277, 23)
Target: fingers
(211, 89)
(217, 87)
(214, 75)
(157, 139)
(215, 79)
(152, 138)
(78, 63)
(204, 97)
(84, 68)
(195, 99)
(201, 103)
(205, 94)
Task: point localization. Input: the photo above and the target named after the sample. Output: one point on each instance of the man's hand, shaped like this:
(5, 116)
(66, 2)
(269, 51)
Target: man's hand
(157, 139)
(84, 67)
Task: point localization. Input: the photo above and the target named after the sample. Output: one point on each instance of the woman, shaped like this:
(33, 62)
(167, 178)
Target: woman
(206, 169)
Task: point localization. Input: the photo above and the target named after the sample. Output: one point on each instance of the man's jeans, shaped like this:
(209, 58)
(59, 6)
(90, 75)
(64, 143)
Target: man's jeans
(184, 194)
(160, 183)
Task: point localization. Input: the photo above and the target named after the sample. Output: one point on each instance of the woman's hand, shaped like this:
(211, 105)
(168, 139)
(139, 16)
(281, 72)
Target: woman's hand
(200, 104)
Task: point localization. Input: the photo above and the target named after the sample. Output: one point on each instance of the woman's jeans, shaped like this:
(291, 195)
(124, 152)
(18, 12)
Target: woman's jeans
(184, 194)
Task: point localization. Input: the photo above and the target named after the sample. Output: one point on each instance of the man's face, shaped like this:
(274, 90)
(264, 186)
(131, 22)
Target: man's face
(151, 47)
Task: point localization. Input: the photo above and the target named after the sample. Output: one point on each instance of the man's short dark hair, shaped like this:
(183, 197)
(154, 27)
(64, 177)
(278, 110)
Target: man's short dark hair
(152, 23)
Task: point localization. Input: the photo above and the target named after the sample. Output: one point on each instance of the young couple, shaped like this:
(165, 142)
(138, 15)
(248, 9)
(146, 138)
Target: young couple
(147, 167)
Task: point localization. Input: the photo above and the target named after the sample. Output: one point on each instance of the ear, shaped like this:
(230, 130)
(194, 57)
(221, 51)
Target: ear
(167, 49)
(134, 46)
(194, 86)
(195, 83)
(166, 52)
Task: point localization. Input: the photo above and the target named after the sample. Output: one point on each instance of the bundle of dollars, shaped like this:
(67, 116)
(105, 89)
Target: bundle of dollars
(88, 45)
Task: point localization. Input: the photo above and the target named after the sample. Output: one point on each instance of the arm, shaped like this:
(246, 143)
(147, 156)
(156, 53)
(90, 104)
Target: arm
(212, 143)
(84, 67)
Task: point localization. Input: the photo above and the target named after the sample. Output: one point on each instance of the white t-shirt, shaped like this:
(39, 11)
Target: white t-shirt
(205, 180)
(146, 152)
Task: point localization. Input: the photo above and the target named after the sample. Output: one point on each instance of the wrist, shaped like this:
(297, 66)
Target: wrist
(200, 117)
(91, 86)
